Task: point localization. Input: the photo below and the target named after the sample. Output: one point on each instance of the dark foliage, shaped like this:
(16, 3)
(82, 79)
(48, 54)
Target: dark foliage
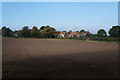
(115, 31)
(101, 33)
(7, 32)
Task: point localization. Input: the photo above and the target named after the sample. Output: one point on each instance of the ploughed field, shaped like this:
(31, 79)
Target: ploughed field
(54, 58)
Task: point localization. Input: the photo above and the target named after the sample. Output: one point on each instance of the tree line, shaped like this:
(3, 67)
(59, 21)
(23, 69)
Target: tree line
(50, 32)
(113, 32)
(25, 32)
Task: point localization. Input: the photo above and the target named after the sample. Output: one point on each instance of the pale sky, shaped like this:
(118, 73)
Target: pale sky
(90, 16)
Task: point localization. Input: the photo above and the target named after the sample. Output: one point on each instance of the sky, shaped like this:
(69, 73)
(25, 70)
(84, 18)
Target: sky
(90, 16)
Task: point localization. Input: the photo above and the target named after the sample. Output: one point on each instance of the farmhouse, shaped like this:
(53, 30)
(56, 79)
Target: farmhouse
(86, 33)
(62, 34)
(16, 35)
(73, 34)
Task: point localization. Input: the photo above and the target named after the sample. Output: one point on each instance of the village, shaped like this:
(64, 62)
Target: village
(74, 34)
(50, 32)
(66, 34)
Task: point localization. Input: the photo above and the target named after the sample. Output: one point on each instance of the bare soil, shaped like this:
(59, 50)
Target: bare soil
(54, 58)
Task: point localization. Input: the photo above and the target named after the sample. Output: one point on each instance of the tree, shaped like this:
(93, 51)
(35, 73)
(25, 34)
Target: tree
(49, 32)
(82, 31)
(101, 33)
(47, 26)
(0, 32)
(94, 35)
(64, 31)
(76, 31)
(25, 32)
(17, 33)
(114, 31)
(42, 27)
(4, 31)
(56, 34)
(34, 31)
(69, 31)
(88, 35)
(7, 32)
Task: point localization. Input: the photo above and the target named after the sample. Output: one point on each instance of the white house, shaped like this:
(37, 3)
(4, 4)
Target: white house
(62, 34)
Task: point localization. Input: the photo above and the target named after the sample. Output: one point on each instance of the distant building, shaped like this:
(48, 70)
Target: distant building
(16, 35)
(62, 34)
(85, 33)
(77, 34)
(73, 34)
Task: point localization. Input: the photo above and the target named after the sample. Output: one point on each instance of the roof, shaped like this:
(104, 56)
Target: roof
(62, 32)
(78, 33)
(87, 32)
(74, 33)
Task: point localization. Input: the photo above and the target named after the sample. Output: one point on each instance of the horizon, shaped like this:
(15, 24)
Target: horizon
(90, 16)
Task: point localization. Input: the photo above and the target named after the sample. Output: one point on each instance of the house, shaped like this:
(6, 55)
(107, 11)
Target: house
(73, 34)
(62, 34)
(77, 34)
(85, 34)
(16, 35)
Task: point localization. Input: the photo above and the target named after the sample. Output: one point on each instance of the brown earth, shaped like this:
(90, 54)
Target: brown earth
(53, 58)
